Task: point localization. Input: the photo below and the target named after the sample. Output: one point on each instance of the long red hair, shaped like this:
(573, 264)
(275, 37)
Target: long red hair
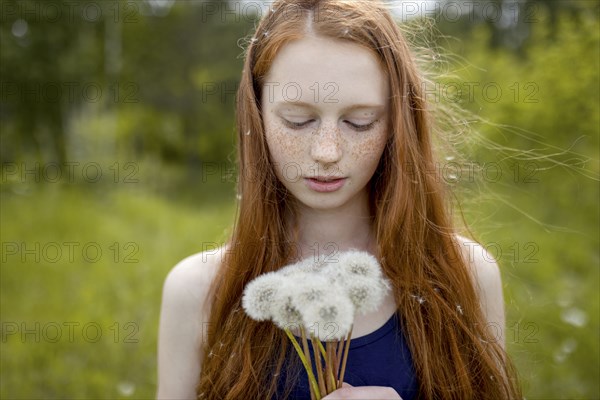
(455, 354)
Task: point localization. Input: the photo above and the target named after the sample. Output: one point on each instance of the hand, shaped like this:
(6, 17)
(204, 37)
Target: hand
(349, 392)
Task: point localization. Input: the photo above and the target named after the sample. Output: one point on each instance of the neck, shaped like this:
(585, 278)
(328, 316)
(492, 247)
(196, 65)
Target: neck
(326, 231)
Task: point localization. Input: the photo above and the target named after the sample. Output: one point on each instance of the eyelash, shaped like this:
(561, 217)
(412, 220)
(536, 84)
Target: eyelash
(358, 128)
(362, 128)
(296, 125)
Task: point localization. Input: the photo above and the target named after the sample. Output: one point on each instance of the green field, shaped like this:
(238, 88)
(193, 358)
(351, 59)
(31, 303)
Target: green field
(77, 324)
(96, 314)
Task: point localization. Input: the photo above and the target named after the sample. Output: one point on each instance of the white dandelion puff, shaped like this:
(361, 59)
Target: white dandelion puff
(313, 289)
(259, 295)
(357, 263)
(360, 276)
(284, 312)
(366, 294)
(332, 316)
(318, 291)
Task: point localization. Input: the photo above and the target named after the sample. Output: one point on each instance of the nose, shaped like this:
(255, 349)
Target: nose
(326, 147)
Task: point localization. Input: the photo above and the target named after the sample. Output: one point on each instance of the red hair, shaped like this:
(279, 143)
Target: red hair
(455, 355)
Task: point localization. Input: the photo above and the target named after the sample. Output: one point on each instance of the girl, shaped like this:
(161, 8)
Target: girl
(335, 152)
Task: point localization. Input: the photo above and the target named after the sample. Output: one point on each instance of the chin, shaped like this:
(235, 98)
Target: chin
(316, 202)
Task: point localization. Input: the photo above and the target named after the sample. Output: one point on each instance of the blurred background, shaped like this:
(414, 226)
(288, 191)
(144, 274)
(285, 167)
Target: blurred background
(118, 160)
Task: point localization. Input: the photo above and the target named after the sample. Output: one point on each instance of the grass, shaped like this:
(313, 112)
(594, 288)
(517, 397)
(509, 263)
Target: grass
(96, 315)
(106, 307)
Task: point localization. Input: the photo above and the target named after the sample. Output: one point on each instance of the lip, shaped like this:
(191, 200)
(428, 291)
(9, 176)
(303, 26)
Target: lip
(325, 184)
(325, 178)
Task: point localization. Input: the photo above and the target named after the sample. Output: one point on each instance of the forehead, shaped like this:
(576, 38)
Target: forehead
(326, 72)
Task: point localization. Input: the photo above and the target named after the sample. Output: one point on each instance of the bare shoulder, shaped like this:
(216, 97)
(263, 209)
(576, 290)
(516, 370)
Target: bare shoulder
(187, 281)
(184, 314)
(488, 283)
(482, 265)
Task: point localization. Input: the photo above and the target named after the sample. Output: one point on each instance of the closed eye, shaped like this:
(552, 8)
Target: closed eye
(296, 125)
(361, 128)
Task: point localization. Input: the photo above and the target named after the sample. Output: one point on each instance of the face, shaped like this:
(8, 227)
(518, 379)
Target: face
(325, 111)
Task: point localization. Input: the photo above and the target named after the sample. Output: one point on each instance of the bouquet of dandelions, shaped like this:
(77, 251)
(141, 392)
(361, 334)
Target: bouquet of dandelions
(319, 297)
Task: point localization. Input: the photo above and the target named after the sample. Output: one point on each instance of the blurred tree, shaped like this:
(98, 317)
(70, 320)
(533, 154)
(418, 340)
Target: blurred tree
(509, 21)
(50, 62)
(188, 64)
(167, 71)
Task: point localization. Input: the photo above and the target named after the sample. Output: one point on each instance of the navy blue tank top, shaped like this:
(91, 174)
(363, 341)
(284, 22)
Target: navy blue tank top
(381, 358)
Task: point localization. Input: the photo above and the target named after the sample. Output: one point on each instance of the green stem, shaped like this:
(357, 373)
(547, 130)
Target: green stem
(319, 365)
(311, 376)
(307, 355)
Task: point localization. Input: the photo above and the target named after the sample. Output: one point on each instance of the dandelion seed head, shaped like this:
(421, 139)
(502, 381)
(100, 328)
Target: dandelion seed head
(309, 288)
(328, 312)
(313, 294)
(359, 263)
(284, 312)
(258, 295)
(333, 316)
(317, 292)
(366, 294)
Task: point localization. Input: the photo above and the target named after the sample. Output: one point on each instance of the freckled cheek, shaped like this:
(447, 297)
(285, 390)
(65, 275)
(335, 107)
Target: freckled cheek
(370, 149)
(284, 148)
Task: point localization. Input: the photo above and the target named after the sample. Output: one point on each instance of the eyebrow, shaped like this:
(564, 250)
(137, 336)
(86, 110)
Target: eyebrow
(308, 105)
